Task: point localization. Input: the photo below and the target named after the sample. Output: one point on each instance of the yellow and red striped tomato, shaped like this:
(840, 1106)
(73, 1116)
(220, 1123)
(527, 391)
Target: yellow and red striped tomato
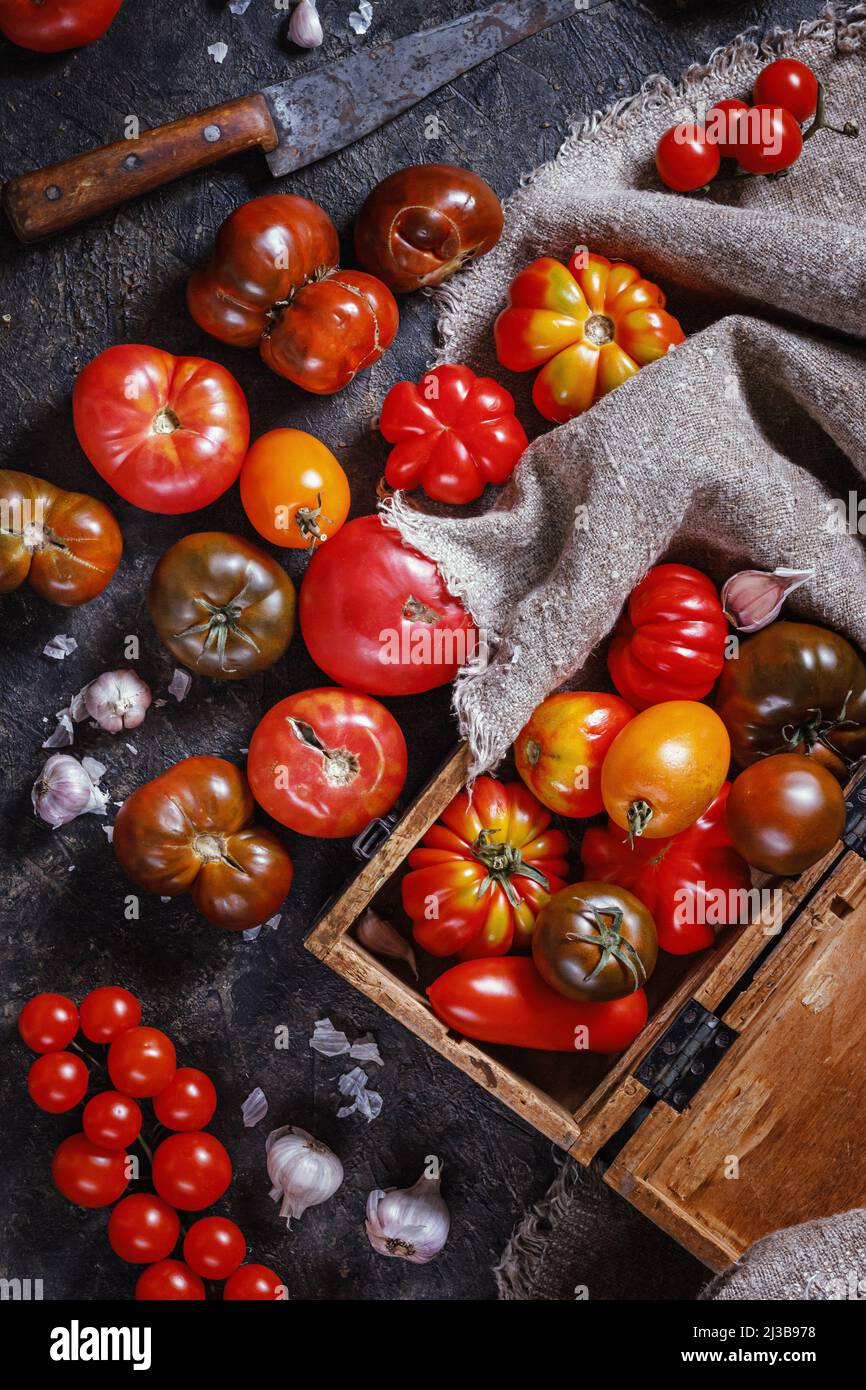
(589, 325)
(560, 751)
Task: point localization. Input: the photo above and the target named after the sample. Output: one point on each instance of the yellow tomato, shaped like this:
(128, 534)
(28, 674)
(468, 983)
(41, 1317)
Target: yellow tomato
(293, 489)
(560, 752)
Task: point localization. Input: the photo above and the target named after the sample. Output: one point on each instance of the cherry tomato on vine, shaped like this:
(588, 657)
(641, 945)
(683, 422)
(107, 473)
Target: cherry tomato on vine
(191, 1171)
(293, 489)
(48, 1022)
(57, 1082)
(214, 1247)
(775, 141)
(111, 1120)
(143, 1228)
(87, 1175)
(790, 84)
(51, 26)
(727, 126)
(169, 1280)
(686, 159)
(188, 1101)
(141, 1061)
(108, 1011)
(254, 1282)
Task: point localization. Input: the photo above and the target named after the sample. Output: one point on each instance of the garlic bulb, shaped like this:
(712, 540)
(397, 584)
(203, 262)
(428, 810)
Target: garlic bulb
(66, 788)
(305, 27)
(303, 1171)
(410, 1224)
(117, 700)
(752, 599)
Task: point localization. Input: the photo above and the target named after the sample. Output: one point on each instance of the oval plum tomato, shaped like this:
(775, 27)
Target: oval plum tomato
(560, 751)
(214, 1247)
(785, 813)
(480, 874)
(669, 643)
(169, 1281)
(327, 762)
(168, 433)
(50, 26)
(504, 1000)
(377, 617)
(112, 1120)
(589, 326)
(48, 1022)
(665, 768)
(188, 1101)
(788, 83)
(57, 1082)
(107, 1011)
(66, 545)
(686, 158)
(293, 489)
(595, 941)
(143, 1228)
(775, 141)
(727, 126)
(254, 1282)
(87, 1175)
(141, 1061)
(191, 1171)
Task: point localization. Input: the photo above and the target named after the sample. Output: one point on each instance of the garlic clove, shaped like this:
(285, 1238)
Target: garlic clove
(753, 599)
(410, 1223)
(383, 939)
(303, 1171)
(305, 26)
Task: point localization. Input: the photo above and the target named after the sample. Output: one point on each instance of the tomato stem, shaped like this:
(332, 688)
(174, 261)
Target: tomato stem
(611, 942)
(640, 813)
(820, 122)
(502, 861)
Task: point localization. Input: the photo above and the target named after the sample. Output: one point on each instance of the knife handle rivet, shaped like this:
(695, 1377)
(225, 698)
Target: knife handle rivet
(212, 133)
(132, 161)
(52, 192)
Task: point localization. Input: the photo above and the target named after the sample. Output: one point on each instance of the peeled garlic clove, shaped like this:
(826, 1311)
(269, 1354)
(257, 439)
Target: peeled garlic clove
(409, 1224)
(753, 598)
(305, 27)
(117, 700)
(384, 940)
(304, 1172)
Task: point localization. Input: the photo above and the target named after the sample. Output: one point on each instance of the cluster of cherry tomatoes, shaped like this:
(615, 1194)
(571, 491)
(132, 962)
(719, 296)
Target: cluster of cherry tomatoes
(189, 1169)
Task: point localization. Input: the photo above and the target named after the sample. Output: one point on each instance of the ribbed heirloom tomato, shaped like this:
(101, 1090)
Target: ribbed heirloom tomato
(669, 644)
(65, 544)
(293, 489)
(560, 751)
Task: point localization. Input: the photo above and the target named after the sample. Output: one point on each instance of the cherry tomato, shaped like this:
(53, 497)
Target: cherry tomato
(108, 1011)
(727, 126)
(560, 751)
(191, 1171)
(785, 812)
(143, 1228)
(327, 762)
(48, 1022)
(788, 83)
(293, 489)
(112, 1120)
(214, 1247)
(169, 1280)
(254, 1282)
(50, 26)
(57, 1082)
(686, 158)
(775, 141)
(141, 1061)
(188, 1101)
(87, 1175)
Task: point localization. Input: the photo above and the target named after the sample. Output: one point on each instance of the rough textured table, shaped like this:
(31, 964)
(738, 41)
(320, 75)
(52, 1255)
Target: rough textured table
(223, 1000)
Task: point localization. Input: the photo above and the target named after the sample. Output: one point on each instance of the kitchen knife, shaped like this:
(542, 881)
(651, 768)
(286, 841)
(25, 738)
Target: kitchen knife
(294, 122)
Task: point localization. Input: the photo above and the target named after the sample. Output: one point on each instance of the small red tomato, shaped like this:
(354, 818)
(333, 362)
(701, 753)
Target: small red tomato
(51, 26)
(686, 159)
(790, 84)
(775, 141)
(143, 1228)
(727, 126)
(48, 1022)
(254, 1282)
(57, 1082)
(141, 1061)
(214, 1247)
(108, 1011)
(191, 1171)
(87, 1175)
(112, 1120)
(188, 1101)
(169, 1280)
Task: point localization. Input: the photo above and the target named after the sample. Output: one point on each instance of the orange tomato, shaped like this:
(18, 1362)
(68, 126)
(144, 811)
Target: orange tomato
(559, 753)
(665, 768)
(293, 489)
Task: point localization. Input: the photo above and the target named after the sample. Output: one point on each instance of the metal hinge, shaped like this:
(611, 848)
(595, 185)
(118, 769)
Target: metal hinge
(854, 834)
(685, 1055)
(374, 835)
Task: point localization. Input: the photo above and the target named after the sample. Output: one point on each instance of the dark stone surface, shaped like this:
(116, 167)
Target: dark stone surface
(122, 279)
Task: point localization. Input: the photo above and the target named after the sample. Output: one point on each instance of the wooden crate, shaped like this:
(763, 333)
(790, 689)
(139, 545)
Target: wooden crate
(739, 1109)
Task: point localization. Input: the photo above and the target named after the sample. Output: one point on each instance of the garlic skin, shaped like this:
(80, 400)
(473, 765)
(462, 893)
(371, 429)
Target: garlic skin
(305, 27)
(65, 789)
(117, 700)
(304, 1172)
(410, 1223)
(753, 599)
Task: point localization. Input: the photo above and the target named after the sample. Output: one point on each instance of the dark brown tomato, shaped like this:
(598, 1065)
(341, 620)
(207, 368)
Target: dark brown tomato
(595, 941)
(784, 813)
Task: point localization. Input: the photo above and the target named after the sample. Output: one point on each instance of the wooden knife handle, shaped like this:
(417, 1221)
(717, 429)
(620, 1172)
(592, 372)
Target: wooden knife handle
(50, 200)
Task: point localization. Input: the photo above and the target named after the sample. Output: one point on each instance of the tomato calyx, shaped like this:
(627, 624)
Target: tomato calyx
(221, 623)
(165, 421)
(640, 813)
(599, 330)
(210, 848)
(278, 307)
(418, 612)
(815, 730)
(339, 766)
(611, 942)
(502, 862)
(307, 521)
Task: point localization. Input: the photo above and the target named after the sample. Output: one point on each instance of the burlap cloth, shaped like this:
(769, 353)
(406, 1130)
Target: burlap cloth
(728, 452)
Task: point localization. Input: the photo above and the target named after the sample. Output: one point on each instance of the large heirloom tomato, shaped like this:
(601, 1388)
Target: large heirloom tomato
(191, 830)
(505, 1000)
(50, 26)
(595, 941)
(222, 606)
(482, 872)
(560, 751)
(453, 433)
(293, 489)
(669, 644)
(795, 687)
(693, 883)
(168, 433)
(665, 769)
(327, 762)
(66, 544)
(785, 813)
(274, 282)
(589, 325)
(377, 617)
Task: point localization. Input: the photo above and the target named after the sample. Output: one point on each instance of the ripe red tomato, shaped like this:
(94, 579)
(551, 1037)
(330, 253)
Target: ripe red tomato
(168, 433)
(669, 644)
(191, 1171)
(686, 158)
(50, 26)
(143, 1228)
(293, 489)
(327, 762)
(214, 1247)
(254, 1282)
(788, 83)
(48, 1022)
(727, 126)
(188, 1101)
(775, 141)
(87, 1175)
(108, 1011)
(560, 751)
(377, 617)
(141, 1061)
(169, 1280)
(112, 1120)
(57, 1082)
